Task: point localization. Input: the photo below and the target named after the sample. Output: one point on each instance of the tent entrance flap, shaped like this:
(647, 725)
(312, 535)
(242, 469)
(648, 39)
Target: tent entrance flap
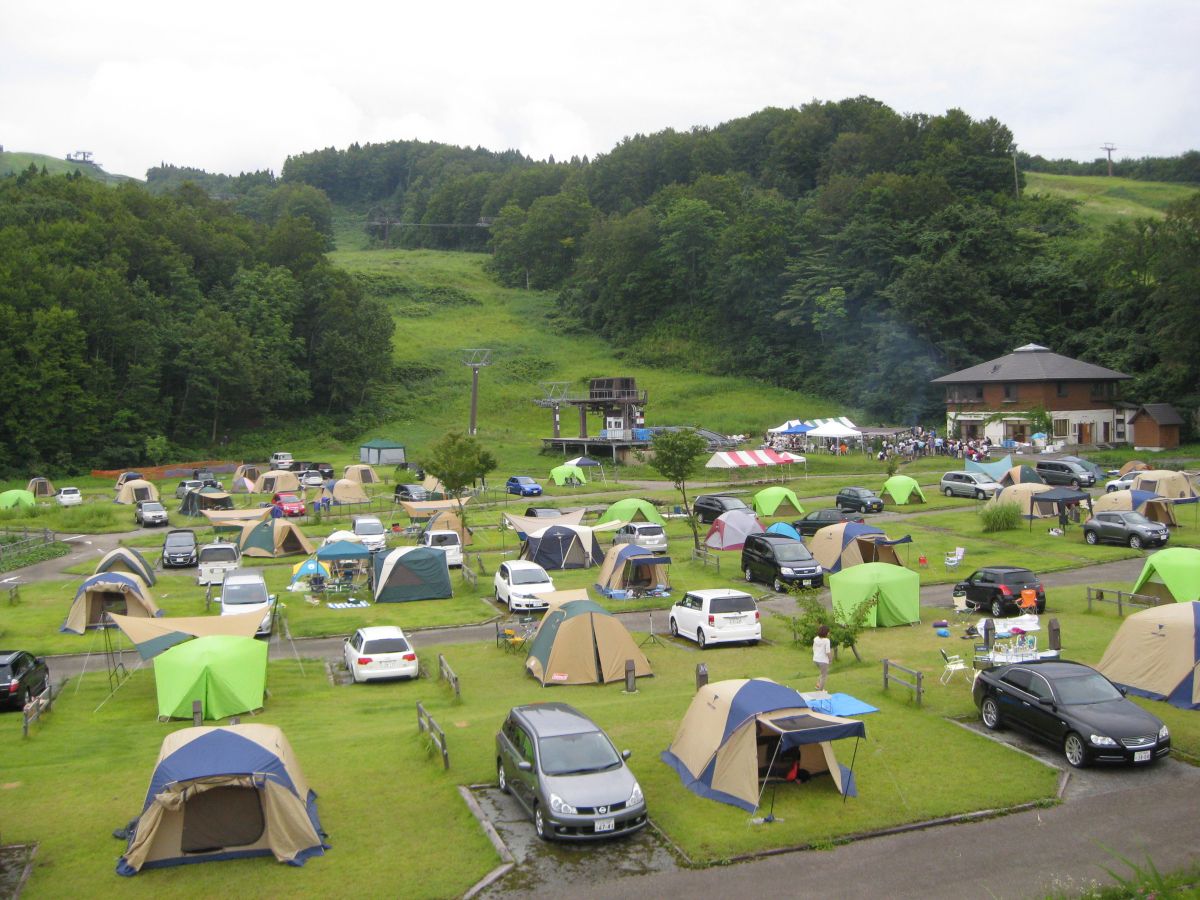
(222, 818)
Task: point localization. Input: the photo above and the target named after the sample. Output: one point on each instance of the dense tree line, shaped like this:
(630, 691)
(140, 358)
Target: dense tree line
(1184, 168)
(128, 318)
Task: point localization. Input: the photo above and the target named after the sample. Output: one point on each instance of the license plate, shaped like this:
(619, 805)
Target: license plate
(807, 582)
(734, 620)
(605, 824)
(387, 663)
(1141, 756)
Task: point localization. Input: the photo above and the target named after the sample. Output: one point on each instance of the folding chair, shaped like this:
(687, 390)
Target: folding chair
(1028, 601)
(954, 557)
(960, 604)
(954, 663)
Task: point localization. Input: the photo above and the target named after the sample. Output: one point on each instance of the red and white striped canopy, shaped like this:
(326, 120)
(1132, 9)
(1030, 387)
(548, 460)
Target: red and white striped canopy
(744, 459)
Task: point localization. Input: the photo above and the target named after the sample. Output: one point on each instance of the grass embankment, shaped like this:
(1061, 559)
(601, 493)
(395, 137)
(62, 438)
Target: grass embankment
(1106, 200)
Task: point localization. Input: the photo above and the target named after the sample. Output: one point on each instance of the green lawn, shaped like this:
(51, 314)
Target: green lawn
(1105, 200)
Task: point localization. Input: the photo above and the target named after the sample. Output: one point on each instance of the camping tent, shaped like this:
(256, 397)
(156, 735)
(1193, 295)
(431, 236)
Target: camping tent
(1025, 496)
(450, 520)
(901, 489)
(629, 566)
(729, 529)
(272, 538)
(834, 429)
(1156, 654)
(342, 549)
(135, 491)
(738, 733)
(412, 573)
(581, 642)
(1133, 465)
(276, 480)
(563, 547)
(128, 560)
(108, 592)
(195, 502)
(1172, 575)
(361, 473)
(244, 479)
(751, 459)
(151, 637)
(564, 473)
(1021, 475)
(846, 544)
(526, 525)
(425, 509)
(898, 589)
(786, 530)
(226, 673)
(631, 509)
(344, 491)
(770, 501)
(994, 470)
(381, 452)
(234, 519)
(1166, 483)
(1152, 506)
(224, 793)
(40, 487)
(15, 498)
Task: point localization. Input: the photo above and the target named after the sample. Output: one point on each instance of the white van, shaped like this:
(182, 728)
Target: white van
(448, 542)
(369, 530)
(245, 592)
(282, 460)
(216, 560)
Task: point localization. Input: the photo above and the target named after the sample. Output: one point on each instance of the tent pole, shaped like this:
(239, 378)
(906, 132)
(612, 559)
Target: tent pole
(853, 757)
(770, 766)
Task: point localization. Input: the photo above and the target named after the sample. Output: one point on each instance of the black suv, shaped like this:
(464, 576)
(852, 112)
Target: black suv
(21, 676)
(179, 549)
(778, 560)
(1130, 528)
(998, 589)
(856, 499)
(708, 506)
(1063, 471)
(820, 518)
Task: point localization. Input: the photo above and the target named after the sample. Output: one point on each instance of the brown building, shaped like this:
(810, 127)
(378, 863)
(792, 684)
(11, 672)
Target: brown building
(1156, 427)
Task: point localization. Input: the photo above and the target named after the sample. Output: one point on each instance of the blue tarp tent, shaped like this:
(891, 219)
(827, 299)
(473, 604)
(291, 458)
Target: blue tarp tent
(785, 529)
(995, 470)
(343, 550)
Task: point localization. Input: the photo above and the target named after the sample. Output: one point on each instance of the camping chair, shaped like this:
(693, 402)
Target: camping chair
(1028, 601)
(954, 557)
(954, 663)
(960, 604)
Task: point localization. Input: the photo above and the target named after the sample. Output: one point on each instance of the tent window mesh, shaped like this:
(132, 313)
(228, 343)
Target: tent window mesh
(222, 818)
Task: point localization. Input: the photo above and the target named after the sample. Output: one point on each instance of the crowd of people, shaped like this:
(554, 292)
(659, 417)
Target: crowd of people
(906, 445)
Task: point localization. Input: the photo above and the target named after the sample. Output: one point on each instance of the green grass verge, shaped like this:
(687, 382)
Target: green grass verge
(1106, 200)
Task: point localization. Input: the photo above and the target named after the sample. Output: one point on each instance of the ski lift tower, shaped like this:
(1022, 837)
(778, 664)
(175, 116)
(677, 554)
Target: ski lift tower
(476, 358)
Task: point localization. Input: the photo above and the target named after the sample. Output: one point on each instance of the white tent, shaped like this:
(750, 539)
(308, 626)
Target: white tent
(834, 429)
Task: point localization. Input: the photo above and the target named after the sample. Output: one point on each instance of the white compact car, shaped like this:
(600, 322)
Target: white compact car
(244, 592)
(521, 585)
(719, 615)
(69, 496)
(381, 651)
(369, 530)
(646, 535)
(448, 542)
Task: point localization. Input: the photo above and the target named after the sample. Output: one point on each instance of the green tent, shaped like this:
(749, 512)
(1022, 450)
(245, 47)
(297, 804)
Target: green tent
(899, 591)
(768, 501)
(901, 488)
(227, 674)
(562, 473)
(1172, 575)
(411, 573)
(631, 509)
(13, 499)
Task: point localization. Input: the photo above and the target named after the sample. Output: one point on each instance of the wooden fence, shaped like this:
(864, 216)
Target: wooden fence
(701, 554)
(445, 673)
(1121, 599)
(38, 706)
(427, 725)
(14, 542)
(916, 685)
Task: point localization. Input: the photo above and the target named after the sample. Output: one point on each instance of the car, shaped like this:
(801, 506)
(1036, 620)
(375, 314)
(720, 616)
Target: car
(245, 591)
(68, 496)
(1060, 471)
(409, 493)
(1089, 466)
(179, 549)
(311, 478)
(216, 560)
(707, 507)
(522, 486)
(566, 775)
(207, 478)
(148, 513)
(184, 487)
(779, 561)
(379, 652)
(820, 518)
(282, 460)
(520, 584)
(1130, 528)
(646, 535)
(22, 675)
(1121, 482)
(447, 541)
(716, 615)
(997, 589)
(324, 468)
(857, 499)
(288, 503)
(1073, 707)
(979, 485)
(370, 530)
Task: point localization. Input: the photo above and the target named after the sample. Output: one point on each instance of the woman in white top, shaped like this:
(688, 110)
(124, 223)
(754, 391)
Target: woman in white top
(821, 651)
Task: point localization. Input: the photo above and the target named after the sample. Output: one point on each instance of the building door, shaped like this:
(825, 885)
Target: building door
(1085, 433)
(1107, 432)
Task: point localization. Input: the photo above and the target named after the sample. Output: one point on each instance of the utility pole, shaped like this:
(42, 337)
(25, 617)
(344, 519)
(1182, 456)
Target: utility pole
(476, 358)
(1016, 177)
(1109, 148)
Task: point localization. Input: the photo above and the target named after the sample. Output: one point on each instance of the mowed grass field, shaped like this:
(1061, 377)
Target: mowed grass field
(1105, 200)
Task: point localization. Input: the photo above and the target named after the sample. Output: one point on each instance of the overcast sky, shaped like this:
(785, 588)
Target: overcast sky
(232, 87)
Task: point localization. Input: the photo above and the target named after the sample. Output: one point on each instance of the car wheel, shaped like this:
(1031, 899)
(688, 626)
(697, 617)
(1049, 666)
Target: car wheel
(673, 627)
(1075, 751)
(1091, 537)
(701, 639)
(539, 824)
(990, 713)
(997, 609)
(749, 576)
(979, 495)
(1074, 484)
(1135, 542)
(779, 587)
(948, 492)
(501, 777)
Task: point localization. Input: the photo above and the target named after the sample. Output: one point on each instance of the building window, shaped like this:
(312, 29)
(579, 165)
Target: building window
(1062, 428)
(1103, 390)
(1010, 392)
(964, 393)
(1060, 388)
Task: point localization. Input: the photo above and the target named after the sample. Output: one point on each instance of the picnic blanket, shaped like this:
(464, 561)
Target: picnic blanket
(349, 604)
(838, 704)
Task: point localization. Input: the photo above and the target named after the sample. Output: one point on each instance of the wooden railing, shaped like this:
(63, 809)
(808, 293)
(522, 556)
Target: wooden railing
(38, 706)
(426, 725)
(916, 685)
(1121, 599)
(445, 673)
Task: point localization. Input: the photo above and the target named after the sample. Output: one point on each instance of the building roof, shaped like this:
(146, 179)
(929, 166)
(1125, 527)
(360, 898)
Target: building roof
(1032, 362)
(1161, 413)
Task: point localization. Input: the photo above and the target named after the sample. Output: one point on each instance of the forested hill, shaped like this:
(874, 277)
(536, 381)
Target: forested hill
(838, 248)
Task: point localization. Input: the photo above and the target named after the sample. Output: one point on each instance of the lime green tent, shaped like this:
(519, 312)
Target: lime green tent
(631, 509)
(768, 501)
(899, 591)
(1172, 574)
(901, 488)
(227, 674)
(13, 499)
(562, 473)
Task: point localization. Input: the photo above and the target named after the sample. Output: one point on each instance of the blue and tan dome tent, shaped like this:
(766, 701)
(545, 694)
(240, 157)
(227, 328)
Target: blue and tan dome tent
(581, 642)
(128, 560)
(737, 734)
(117, 592)
(1152, 506)
(411, 573)
(563, 547)
(846, 544)
(224, 793)
(1156, 654)
(630, 566)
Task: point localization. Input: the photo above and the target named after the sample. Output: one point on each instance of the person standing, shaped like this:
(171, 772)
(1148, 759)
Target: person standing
(821, 650)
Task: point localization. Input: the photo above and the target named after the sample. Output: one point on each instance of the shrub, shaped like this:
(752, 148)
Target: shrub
(1001, 517)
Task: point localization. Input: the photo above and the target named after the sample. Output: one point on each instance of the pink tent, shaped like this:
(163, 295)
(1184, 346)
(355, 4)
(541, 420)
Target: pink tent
(744, 459)
(729, 531)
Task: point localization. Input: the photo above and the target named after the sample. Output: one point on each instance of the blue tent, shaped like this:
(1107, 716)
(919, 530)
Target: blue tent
(785, 529)
(563, 547)
(995, 470)
(798, 429)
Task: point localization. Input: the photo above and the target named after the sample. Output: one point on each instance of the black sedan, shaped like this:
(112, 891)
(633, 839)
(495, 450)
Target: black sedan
(1073, 707)
(819, 518)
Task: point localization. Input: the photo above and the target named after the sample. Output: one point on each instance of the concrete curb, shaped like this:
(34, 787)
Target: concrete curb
(492, 835)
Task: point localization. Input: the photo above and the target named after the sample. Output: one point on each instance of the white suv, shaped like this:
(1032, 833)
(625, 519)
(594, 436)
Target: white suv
(719, 615)
(69, 496)
(370, 531)
(448, 542)
(282, 460)
(521, 585)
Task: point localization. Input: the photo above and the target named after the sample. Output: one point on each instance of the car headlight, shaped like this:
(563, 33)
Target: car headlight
(635, 796)
(557, 805)
(1164, 733)
(1101, 741)
(784, 570)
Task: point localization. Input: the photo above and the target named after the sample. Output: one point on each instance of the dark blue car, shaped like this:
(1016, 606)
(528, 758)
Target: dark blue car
(523, 486)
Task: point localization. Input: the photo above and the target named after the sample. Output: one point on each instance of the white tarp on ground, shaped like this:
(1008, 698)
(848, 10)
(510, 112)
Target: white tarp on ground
(744, 459)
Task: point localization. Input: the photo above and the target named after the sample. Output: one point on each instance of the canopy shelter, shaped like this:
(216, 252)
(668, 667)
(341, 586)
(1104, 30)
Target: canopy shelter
(127, 560)
(1152, 506)
(729, 529)
(568, 474)
(751, 459)
(1174, 486)
(580, 642)
(563, 547)
(108, 592)
(15, 499)
(428, 508)
(226, 673)
(834, 429)
(1156, 654)
(344, 492)
(273, 538)
(195, 502)
(433, 485)
(898, 591)
(340, 550)
(224, 793)
(526, 525)
(1134, 465)
(245, 478)
(1021, 475)
(994, 470)
(903, 489)
(846, 544)
(777, 501)
(382, 452)
(631, 509)
(40, 487)
(738, 734)
(151, 637)
(136, 491)
(630, 567)
(361, 474)
(1172, 575)
(275, 481)
(586, 462)
(786, 530)
(411, 573)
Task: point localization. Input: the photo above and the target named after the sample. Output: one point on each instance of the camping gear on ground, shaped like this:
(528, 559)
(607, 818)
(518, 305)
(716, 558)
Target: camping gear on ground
(631, 509)
(777, 501)
(1020, 474)
(728, 530)
(273, 538)
(580, 642)
(17, 498)
(361, 474)
(898, 590)
(126, 559)
(741, 733)
(1152, 506)
(786, 530)
(567, 474)
(629, 569)
(107, 592)
(1156, 654)
(275, 481)
(195, 502)
(136, 491)
(224, 793)
(1166, 483)
(846, 544)
(151, 637)
(40, 487)
(563, 547)
(344, 491)
(1172, 575)
(411, 573)
(226, 673)
(901, 489)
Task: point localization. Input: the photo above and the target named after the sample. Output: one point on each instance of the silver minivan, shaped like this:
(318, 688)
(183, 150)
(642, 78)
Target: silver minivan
(979, 485)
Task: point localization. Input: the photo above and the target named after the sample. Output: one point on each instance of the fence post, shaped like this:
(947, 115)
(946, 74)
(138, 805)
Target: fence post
(630, 677)
(197, 713)
(885, 674)
(701, 675)
(1120, 612)
(920, 688)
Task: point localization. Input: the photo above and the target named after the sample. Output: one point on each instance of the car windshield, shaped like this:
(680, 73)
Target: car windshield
(1088, 688)
(650, 530)
(183, 541)
(732, 503)
(577, 754)
(386, 645)
(288, 498)
(152, 507)
(523, 479)
(737, 604)
(981, 478)
(368, 528)
(235, 593)
(414, 489)
(70, 491)
(1136, 519)
(796, 552)
(529, 576)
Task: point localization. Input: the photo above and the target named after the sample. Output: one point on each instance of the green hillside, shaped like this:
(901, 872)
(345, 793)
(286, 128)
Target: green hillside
(1108, 200)
(14, 163)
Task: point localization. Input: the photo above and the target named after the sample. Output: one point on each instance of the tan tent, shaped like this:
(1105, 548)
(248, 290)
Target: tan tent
(1165, 483)
(273, 538)
(845, 544)
(136, 490)
(245, 479)
(433, 484)
(152, 636)
(526, 525)
(580, 642)
(627, 566)
(1154, 508)
(108, 592)
(1132, 465)
(1156, 654)
(1025, 496)
(236, 516)
(128, 560)
(275, 481)
(361, 473)
(426, 508)
(555, 599)
(344, 491)
(40, 487)
(449, 520)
